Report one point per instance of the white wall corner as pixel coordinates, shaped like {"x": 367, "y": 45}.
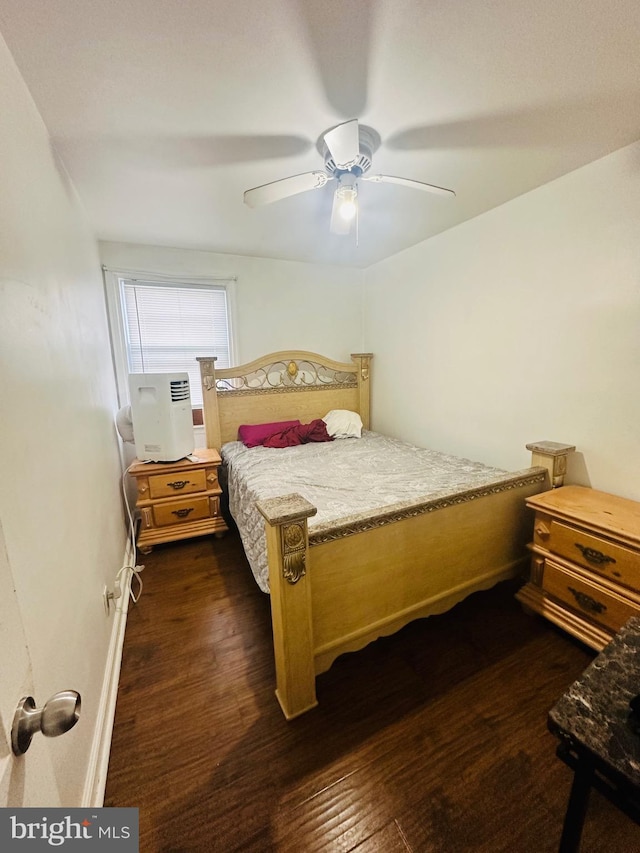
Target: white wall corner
{"x": 96, "y": 778}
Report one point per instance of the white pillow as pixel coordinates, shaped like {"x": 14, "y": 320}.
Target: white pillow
{"x": 341, "y": 423}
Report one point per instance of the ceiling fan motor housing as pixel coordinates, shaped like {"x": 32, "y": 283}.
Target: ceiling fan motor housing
{"x": 367, "y": 141}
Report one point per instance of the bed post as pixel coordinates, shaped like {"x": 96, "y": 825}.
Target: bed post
{"x": 287, "y": 550}
{"x": 553, "y": 456}
{"x": 210, "y": 401}
{"x": 363, "y": 359}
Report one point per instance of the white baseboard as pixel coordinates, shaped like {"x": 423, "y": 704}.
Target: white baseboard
{"x": 96, "y": 778}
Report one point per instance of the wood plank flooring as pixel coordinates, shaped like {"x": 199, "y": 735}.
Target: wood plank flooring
{"x": 434, "y": 739}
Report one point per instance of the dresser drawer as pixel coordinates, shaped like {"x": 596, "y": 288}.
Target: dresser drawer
{"x": 592, "y": 601}
{"x": 181, "y": 483}
{"x": 615, "y": 562}
{"x": 180, "y": 512}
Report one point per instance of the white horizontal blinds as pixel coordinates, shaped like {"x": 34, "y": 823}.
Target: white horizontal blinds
{"x": 169, "y": 325}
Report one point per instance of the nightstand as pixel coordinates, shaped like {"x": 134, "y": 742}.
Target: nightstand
{"x": 585, "y": 562}
{"x": 178, "y": 500}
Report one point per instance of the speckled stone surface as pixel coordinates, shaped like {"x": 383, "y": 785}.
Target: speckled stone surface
{"x": 595, "y": 709}
{"x": 285, "y": 508}
{"x": 551, "y": 448}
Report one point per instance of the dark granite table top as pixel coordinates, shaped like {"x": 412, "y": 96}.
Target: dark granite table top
{"x": 594, "y": 711}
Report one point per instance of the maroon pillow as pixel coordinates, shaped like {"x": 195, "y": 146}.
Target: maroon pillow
{"x": 254, "y": 434}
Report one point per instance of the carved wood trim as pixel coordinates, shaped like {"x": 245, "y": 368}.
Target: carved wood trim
{"x": 361, "y": 525}
{"x": 537, "y": 570}
{"x": 279, "y": 389}
{"x": 293, "y": 552}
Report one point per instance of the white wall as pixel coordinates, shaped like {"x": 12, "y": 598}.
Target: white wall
{"x": 60, "y": 505}
{"x": 278, "y": 304}
{"x": 521, "y": 325}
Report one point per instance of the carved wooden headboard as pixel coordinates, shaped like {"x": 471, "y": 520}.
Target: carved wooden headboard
{"x": 281, "y": 386}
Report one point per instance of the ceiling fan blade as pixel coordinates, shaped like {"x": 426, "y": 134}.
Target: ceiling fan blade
{"x": 341, "y": 55}
{"x": 338, "y": 225}
{"x": 343, "y": 143}
{"x": 407, "y": 182}
{"x": 276, "y": 190}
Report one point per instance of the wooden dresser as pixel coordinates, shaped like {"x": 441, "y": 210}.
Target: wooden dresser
{"x": 585, "y": 562}
{"x": 178, "y": 500}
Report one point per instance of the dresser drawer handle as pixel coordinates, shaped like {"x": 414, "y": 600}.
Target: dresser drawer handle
{"x": 593, "y": 556}
{"x": 179, "y": 484}
{"x": 182, "y": 513}
{"x": 586, "y": 602}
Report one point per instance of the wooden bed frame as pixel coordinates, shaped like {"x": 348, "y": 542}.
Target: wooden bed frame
{"x": 336, "y": 590}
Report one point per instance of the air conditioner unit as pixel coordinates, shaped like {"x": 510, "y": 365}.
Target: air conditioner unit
{"x": 161, "y": 415}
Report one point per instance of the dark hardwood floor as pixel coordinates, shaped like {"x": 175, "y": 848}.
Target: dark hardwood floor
{"x": 434, "y": 739}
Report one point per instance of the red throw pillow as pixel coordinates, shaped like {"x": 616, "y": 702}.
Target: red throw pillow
{"x": 252, "y": 435}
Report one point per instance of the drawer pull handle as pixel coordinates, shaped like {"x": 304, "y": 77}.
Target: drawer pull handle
{"x": 179, "y": 484}
{"x": 586, "y": 602}
{"x": 593, "y": 556}
{"x": 182, "y": 513}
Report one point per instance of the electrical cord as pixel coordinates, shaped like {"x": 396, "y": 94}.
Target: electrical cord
{"x": 134, "y": 569}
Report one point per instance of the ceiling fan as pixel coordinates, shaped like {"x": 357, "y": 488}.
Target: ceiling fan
{"x": 347, "y": 150}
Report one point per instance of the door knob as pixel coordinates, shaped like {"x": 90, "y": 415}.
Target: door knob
{"x": 56, "y": 717}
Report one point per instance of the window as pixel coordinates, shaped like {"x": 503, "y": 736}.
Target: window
{"x": 162, "y": 326}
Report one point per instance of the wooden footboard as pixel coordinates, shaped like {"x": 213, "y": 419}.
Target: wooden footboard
{"x": 336, "y": 592}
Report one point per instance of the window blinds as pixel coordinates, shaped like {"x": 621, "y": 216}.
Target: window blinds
{"x": 168, "y": 325}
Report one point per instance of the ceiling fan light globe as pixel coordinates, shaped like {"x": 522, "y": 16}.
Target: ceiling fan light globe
{"x": 348, "y": 210}
{"x": 347, "y": 197}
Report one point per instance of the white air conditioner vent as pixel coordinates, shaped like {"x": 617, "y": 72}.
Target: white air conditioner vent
{"x": 179, "y": 389}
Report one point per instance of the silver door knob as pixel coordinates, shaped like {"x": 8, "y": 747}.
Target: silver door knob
{"x": 56, "y": 717}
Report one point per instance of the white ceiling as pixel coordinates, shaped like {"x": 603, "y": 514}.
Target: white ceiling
{"x": 165, "y": 111}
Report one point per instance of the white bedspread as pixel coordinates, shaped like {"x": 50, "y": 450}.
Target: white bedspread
{"x": 343, "y": 478}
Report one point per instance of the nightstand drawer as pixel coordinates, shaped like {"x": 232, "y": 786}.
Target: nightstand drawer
{"x": 179, "y": 512}
{"x": 179, "y": 483}
{"x": 598, "y": 604}
{"x": 615, "y": 562}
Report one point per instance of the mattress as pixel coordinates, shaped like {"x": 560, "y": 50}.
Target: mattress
{"x": 345, "y": 479}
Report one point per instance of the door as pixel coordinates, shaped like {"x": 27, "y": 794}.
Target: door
{"x": 27, "y": 780}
